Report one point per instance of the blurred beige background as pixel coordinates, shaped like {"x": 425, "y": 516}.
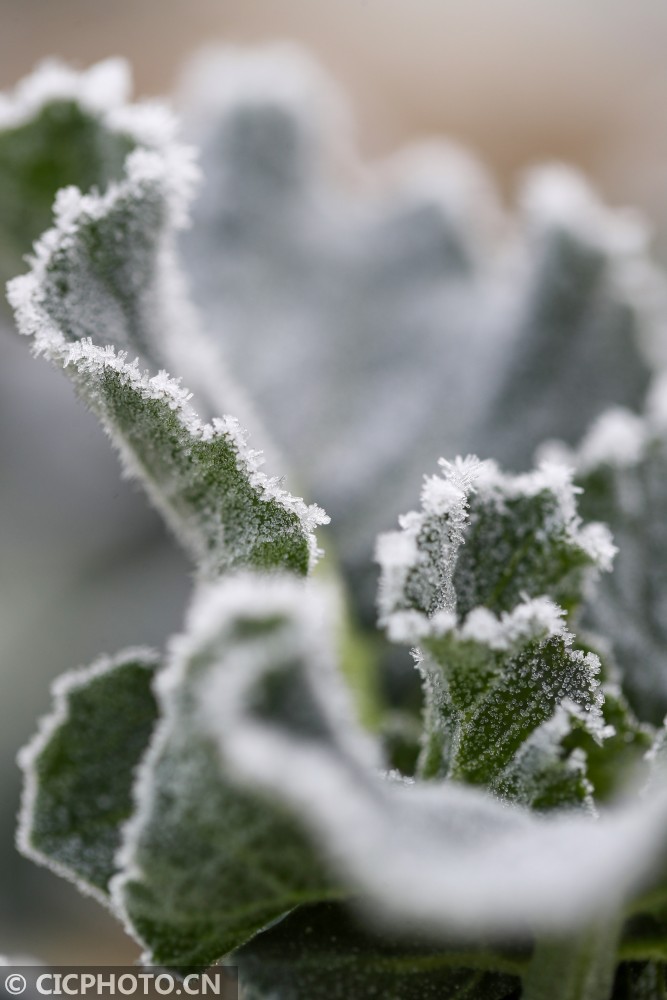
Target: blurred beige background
{"x": 518, "y": 81}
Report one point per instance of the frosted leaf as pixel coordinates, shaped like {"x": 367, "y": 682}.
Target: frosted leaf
{"x": 395, "y": 324}
{"x": 622, "y": 467}
{"x": 93, "y": 292}
{"x": 63, "y": 128}
{"x": 206, "y": 863}
{"x": 617, "y": 764}
{"x": 79, "y": 768}
{"x": 60, "y": 127}
{"x": 418, "y": 562}
{"x": 499, "y": 698}
{"x": 419, "y": 856}
{"x": 100, "y": 271}
{"x": 486, "y": 539}
{"x": 463, "y": 581}
{"x": 526, "y": 538}
{"x": 543, "y": 775}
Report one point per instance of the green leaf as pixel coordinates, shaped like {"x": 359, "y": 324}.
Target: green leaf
{"x": 525, "y": 538}
{"x": 79, "y": 769}
{"x": 487, "y": 539}
{"x": 501, "y": 694}
{"x": 207, "y": 863}
{"x": 60, "y": 127}
{"x": 464, "y": 580}
{"x": 94, "y": 276}
{"x": 314, "y": 947}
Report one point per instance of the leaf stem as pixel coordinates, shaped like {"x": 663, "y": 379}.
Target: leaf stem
{"x": 580, "y": 968}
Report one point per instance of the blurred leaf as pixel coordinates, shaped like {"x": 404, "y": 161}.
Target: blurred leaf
{"x": 79, "y": 769}
{"x": 409, "y": 328}
{"x": 207, "y": 863}
{"x": 324, "y": 951}
{"x": 622, "y": 468}
{"x": 586, "y": 318}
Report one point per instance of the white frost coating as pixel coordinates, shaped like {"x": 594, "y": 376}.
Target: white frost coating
{"x": 437, "y": 855}
{"x": 149, "y": 123}
{"x": 250, "y": 462}
{"x": 446, "y": 497}
{"x": 546, "y": 742}
{"x": 310, "y": 608}
{"x": 173, "y": 172}
{"x": 102, "y": 90}
{"x": 595, "y": 538}
{"x": 408, "y": 627}
{"x": 617, "y": 438}
{"x": 443, "y": 498}
{"x": 559, "y": 196}
{"x": 656, "y": 758}
{"x": 61, "y": 689}
{"x": 552, "y": 478}
{"x": 556, "y": 478}
{"x": 444, "y": 174}
{"x": 538, "y": 619}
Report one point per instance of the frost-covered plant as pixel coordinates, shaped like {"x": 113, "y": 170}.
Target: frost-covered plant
{"x": 266, "y": 791}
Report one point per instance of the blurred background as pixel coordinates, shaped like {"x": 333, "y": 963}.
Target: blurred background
{"x": 84, "y": 567}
